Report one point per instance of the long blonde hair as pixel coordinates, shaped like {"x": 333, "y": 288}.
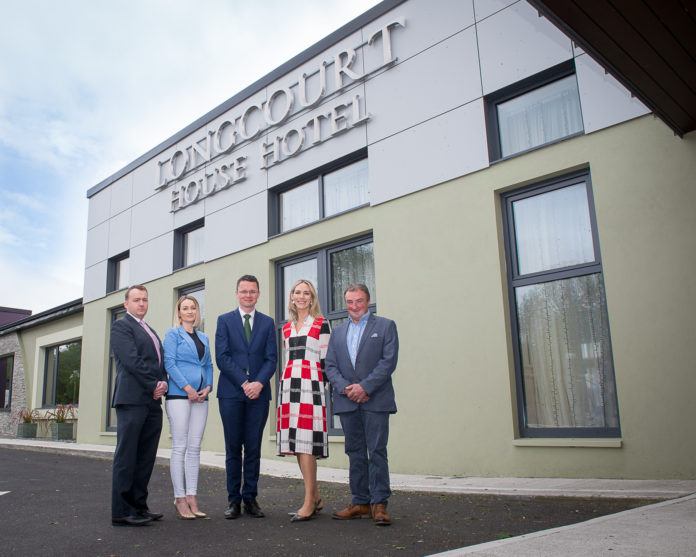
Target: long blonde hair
{"x": 314, "y": 309}
{"x": 177, "y": 309}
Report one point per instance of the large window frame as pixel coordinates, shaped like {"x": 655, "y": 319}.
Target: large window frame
{"x": 115, "y": 271}
{"x": 181, "y": 253}
{"x": 275, "y": 195}
{"x": 518, "y": 279}
{"x": 52, "y": 364}
{"x": 334, "y": 314}
{"x": 110, "y": 420}
{"x": 515, "y": 90}
{"x": 6, "y": 378}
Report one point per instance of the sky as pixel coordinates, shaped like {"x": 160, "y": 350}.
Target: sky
{"x": 87, "y": 86}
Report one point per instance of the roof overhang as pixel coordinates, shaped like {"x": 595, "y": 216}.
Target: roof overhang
{"x": 647, "y": 45}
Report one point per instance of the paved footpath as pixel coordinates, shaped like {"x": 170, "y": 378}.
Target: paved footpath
{"x": 667, "y": 528}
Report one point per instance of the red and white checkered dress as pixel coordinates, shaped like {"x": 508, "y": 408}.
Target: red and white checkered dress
{"x": 301, "y": 414}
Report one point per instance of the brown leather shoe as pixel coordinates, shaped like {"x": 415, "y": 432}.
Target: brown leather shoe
{"x": 379, "y": 512}
{"x": 353, "y": 511}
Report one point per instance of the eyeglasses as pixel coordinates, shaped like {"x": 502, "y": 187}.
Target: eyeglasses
{"x": 247, "y": 292}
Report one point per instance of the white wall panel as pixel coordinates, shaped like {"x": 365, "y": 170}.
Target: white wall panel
{"x": 604, "y": 100}
{"x": 486, "y": 8}
{"x": 427, "y": 22}
{"x": 152, "y": 259}
{"x": 254, "y": 183}
{"x": 145, "y": 178}
{"x": 516, "y": 43}
{"x": 151, "y": 218}
{"x": 237, "y": 227}
{"x": 438, "y": 150}
{"x": 435, "y": 81}
{"x": 99, "y": 207}
{"x": 121, "y": 194}
{"x": 119, "y": 233}
{"x": 97, "y": 244}
{"x": 95, "y": 282}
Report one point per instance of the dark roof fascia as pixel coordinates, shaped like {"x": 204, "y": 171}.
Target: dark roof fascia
{"x": 58, "y": 312}
{"x": 294, "y": 62}
{"x": 602, "y": 60}
{"x": 15, "y": 310}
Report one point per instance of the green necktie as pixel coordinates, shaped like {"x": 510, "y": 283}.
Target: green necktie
{"x": 247, "y": 327}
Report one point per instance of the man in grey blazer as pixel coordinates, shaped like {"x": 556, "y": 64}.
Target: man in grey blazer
{"x": 360, "y": 360}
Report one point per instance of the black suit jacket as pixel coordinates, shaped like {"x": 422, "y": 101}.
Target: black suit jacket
{"x": 137, "y": 367}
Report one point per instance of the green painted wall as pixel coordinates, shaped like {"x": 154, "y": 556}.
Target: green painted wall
{"x": 441, "y": 276}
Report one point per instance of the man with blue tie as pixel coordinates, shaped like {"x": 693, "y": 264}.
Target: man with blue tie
{"x": 246, "y": 353}
{"x": 140, "y": 383}
{"x": 360, "y": 360}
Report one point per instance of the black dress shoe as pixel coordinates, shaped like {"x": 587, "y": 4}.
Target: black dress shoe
{"x": 252, "y": 508}
{"x": 150, "y": 515}
{"x": 131, "y": 521}
{"x": 234, "y": 510}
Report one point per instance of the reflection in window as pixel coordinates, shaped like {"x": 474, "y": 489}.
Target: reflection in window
{"x": 299, "y": 206}
{"x": 62, "y": 374}
{"x": 541, "y": 116}
{"x": 566, "y": 354}
{"x": 553, "y": 230}
{"x": 345, "y": 188}
{"x": 354, "y": 264}
{"x": 320, "y": 195}
{"x": 6, "y": 367}
{"x": 193, "y": 246}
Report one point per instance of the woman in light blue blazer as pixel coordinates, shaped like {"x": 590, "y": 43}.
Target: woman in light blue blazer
{"x": 190, "y": 369}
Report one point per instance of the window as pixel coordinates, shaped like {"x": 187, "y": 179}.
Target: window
{"x": 189, "y": 244}
{"x": 331, "y": 270}
{"x": 563, "y": 357}
{"x": 6, "y": 367}
{"x": 62, "y": 374}
{"x": 536, "y": 111}
{"x": 197, "y": 291}
{"x": 328, "y": 191}
{"x": 116, "y": 314}
{"x": 118, "y": 271}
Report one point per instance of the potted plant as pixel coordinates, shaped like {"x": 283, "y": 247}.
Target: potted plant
{"x": 26, "y": 423}
{"x": 61, "y": 428}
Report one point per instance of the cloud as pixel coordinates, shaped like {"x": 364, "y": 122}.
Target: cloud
{"x": 87, "y": 87}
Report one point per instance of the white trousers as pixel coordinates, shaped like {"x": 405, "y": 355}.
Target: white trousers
{"x": 187, "y": 424}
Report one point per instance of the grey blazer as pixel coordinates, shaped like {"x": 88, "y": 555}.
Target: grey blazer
{"x": 374, "y": 365}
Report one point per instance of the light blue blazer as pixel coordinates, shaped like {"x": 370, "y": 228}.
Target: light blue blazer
{"x": 182, "y": 363}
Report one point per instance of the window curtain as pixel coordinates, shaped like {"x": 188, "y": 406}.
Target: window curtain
{"x": 356, "y": 264}
{"x": 299, "y": 206}
{"x": 566, "y": 356}
{"x": 540, "y": 116}
{"x": 346, "y": 188}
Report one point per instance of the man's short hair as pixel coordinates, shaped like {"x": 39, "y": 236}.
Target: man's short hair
{"x": 247, "y": 278}
{"x": 357, "y": 286}
{"x": 135, "y": 287}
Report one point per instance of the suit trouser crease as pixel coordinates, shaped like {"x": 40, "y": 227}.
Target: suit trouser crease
{"x": 187, "y": 424}
{"x": 138, "y": 432}
{"x": 366, "y": 435}
{"x": 243, "y": 423}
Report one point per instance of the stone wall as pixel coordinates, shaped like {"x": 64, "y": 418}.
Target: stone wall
{"x": 9, "y": 344}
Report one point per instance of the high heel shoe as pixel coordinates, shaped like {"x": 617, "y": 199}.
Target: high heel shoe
{"x": 199, "y": 514}
{"x": 185, "y": 516}
{"x": 318, "y": 506}
{"x": 297, "y": 517}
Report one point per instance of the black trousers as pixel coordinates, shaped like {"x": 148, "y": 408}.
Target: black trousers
{"x": 137, "y": 437}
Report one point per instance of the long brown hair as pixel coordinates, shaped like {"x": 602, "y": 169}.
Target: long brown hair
{"x": 314, "y": 309}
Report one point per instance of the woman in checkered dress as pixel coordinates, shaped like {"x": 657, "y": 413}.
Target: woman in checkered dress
{"x": 301, "y": 415}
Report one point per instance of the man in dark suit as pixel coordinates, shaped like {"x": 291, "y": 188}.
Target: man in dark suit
{"x": 360, "y": 360}
{"x": 140, "y": 384}
{"x": 246, "y": 353}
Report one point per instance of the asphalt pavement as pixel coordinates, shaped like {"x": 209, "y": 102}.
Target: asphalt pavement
{"x": 665, "y": 528}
